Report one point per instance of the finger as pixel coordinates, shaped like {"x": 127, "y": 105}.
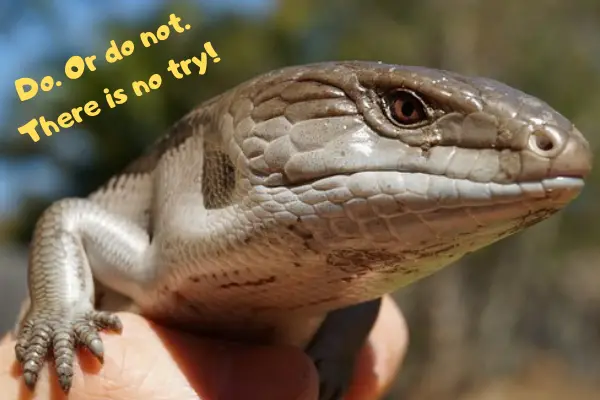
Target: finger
{"x": 151, "y": 362}
{"x": 380, "y": 360}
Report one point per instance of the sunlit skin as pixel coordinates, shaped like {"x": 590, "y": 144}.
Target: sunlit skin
{"x": 152, "y": 362}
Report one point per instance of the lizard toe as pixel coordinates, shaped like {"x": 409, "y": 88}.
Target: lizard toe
{"x": 63, "y": 347}
{"x": 87, "y": 330}
{"x": 21, "y": 345}
{"x": 106, "y": 320}
{"x": 88, "y": 336}
{"x": 33, "y": 343}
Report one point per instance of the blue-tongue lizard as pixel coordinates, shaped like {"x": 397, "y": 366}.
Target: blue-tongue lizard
{"x": 282, "y": 210}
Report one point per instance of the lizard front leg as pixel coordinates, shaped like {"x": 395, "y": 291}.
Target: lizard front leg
{"x": 75, "y": 241}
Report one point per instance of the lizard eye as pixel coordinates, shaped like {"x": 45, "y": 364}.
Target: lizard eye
{"x": 406, "y": 108}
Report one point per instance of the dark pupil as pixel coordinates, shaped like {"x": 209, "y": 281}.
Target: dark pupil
{"x": 408, "y": 108}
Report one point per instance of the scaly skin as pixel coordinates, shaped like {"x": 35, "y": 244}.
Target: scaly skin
{"x": 295, "y": 201}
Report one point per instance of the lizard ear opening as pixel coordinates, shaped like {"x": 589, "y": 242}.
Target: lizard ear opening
{"x": 218, "y": 177}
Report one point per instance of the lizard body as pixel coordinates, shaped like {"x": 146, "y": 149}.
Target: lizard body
{"x": 287, "y": 206}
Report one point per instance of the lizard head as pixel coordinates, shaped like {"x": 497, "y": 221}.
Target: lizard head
{"x": 384, "y": 167}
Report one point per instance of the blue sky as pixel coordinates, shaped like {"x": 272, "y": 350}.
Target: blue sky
{"x": 29, "y": 38}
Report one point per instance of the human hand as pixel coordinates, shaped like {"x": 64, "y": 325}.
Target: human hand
{"x": 148, "y": 361}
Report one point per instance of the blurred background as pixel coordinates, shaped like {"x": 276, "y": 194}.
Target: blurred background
{"x": 519, "y": 320}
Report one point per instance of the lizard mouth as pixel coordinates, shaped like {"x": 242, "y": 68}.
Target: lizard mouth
{"x": 400, "y": 209}
{"x": 563, "y": 182}
{"x": 418, "y": 192}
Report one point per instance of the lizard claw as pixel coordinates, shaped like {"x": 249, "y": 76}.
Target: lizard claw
{"x": 40, "y": 334}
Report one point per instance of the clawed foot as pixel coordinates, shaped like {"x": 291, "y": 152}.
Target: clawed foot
{"x": 62, "y": 333}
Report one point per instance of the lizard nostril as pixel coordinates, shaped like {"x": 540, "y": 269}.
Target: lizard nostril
{"x": 546, "y": 142}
